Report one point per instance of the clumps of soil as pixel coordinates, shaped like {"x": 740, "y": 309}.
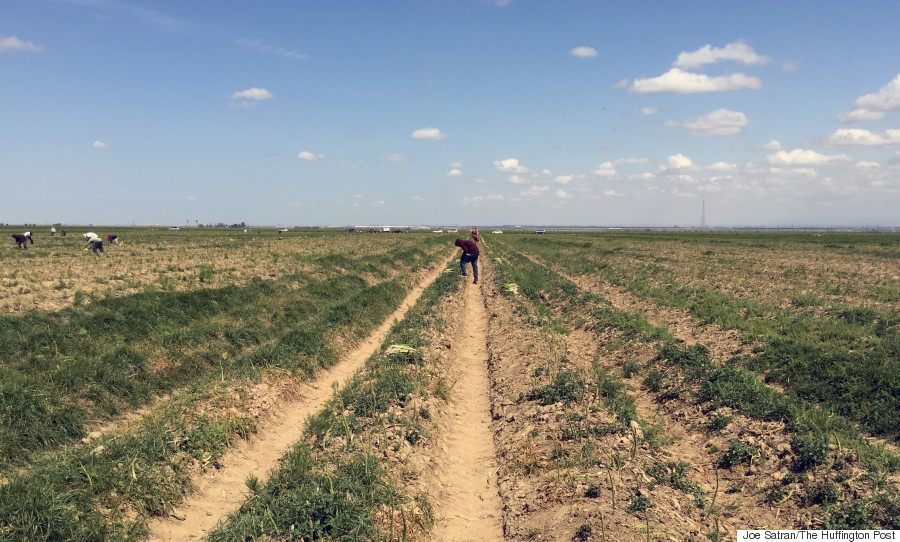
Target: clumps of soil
{"x": 591, "y": 447}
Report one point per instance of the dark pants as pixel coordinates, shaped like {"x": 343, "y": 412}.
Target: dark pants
{"x": 466, "y": 258}
{"x": 96, "y": 245}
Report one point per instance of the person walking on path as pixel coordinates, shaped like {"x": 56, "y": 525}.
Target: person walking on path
{"x": 469, "y": 255}
{"x": 474, "y": 233}
{"x": 94, "y": 243}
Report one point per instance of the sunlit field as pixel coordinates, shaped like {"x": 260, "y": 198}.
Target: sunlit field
{"x": 674, "y": 381}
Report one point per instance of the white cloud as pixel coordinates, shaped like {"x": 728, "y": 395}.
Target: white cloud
{"x": 516, "y": 179}
{"x": 773, "y": 145}
{"x": 562, "y": 194}
{"x": 456, "y": 165}
{"x": 564, "y": 179}
{"x": 99, "y": 144}
{"x": 721, "y": 122}
{"x": 864, "y": 138}
{"x": 191, "y": 198}
{"x": 454, "y": 173}
{"x": 739, "y": 52}
{"x": 510, "y": 165}
{"x": 13, "y": 43}
{"x": 535, "y": 191}
{"x": 606, "y": 169}
{"x": 583, "y": 52}
{"x": 678, "y": 161}
{"x": 258, "y": 45}
{"x": 397, "y": 158}
{"x": 429, "y": 133}
{"x": 866, "y": 165}
{"x": 722, "y": 166}
{"x": 252, "y": 94}
{"x": 874, "y": 106}
{"x": 800, "y": 157}
{"x": 310, "y": 156}
{"x": 612, "y": 193}
{"x": 649, "y": 110}
{"x": 678, "y": 81}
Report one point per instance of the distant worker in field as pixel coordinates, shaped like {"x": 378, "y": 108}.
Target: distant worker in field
{"x": 94, "y": 243}
{"x": 112, "y": 238}
{"x": 52, "y": 231}
{"x": 28, "y": 236}
{"x": 63, "y": 233}
{"x": 88, "y": 235}
{"x": 21, "y": 241}
{"x": 469, "y": 255}
{"x": 474, "y": 233}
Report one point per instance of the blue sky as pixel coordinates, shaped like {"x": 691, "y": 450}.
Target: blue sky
{"x": 450, "y": 112}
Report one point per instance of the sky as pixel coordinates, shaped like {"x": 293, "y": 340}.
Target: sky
{"x": 450, "y": 112}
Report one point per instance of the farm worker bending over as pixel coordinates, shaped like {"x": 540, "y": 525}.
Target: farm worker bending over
{"x": 470, "y": 254}
{"x": 95, "y": 244}
{"x": 27, "y": 235}
{"x": 52, "y": 231}
{"x": 89, "y": 234}
{"x": 21, "y": 241}
{"x": 112, "y": 238}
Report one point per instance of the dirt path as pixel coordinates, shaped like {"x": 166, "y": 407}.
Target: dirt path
{"x": 468, "y": 505}
{"x": 221, "y": 491}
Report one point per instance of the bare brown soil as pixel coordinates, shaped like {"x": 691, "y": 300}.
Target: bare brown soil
{"x": 774, "y": 276}
{"x": 553, "y": 488}
{"x": 467, "y": 505}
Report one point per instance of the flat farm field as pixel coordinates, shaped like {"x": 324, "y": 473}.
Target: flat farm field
{"x": 625, "y": 386}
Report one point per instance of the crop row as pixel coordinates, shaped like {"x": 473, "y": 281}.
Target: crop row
{"x": 676, "y": 372}
{"x": 195, "y": 354}
{"x": 56, "y": 273}
{"x": 843, "y": 356}
{"x": 344, "y": 479}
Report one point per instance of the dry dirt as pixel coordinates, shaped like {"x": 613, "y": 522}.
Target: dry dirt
{"x": 547, "y": 498}
{"x": 468, "y": 507}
